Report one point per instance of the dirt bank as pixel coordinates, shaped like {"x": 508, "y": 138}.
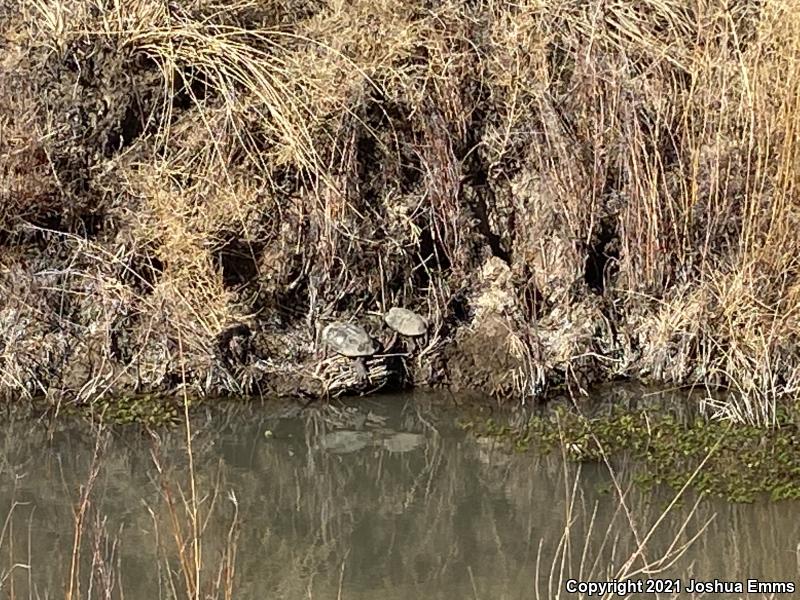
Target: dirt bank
{"x": 570, "y": 192}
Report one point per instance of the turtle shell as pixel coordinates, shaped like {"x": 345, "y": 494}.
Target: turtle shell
{"x": 349, "y": 339}
{"x": 406, "y": 322}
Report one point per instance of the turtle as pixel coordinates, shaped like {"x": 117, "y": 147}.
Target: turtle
{"x": 352, "y": 341}
{"x": 405, "y": 322}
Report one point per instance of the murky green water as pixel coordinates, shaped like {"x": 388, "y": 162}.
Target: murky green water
{"x": 389, "y": 500}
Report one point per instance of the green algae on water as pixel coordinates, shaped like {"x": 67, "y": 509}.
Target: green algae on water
{"x": 149, "y": 410}
{"x": 736, "y": 462}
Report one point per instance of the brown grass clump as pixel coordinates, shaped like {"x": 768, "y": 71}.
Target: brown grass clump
{"x": 184, "y": 171}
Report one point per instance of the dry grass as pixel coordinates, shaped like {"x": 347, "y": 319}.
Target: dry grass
{"x": 179, "y": 168}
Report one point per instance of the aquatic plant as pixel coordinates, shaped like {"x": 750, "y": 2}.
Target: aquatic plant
{"x": 737, "y": 462}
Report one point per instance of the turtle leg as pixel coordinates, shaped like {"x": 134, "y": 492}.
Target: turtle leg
{"x": 422, "y": 343}
{"x": 360, "y": 366}
{"x": 391, "y": 343}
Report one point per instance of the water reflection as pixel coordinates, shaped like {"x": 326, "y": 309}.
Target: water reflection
{"x": 388, "y": 500}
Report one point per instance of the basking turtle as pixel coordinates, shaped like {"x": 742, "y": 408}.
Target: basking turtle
{"x": 406, "y": 323}
{"x": 352, "y": 341}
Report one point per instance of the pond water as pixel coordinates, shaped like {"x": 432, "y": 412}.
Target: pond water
{"x": 381, "y": 498}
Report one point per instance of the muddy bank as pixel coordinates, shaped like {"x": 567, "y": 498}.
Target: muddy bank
{"x": 188, "y": 194}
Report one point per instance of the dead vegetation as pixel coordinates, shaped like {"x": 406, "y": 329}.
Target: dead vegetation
{"x": 590, "y": 189}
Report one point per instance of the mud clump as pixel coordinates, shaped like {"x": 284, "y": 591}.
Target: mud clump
{"x": 482, "y": 354}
